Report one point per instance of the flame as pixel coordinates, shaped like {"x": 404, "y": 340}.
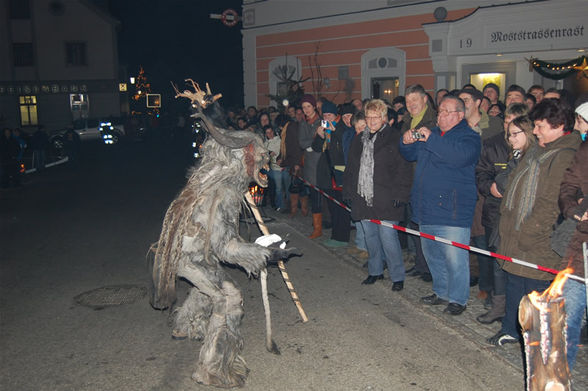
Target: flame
{"x": 554, "y": 290}
{"x": 256, "y": 193}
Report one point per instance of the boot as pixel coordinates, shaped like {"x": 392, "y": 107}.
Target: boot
{"x": 317, "y": 225}
{"x": 304, "y": 205}
{"x": 497, "y": 311}
{"x": 294, "y": 197}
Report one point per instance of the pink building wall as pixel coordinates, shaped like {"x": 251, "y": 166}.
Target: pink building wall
{"x": 344, "y": 45}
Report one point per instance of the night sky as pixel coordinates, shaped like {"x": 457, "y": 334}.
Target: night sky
{"x": 176, "y": 39}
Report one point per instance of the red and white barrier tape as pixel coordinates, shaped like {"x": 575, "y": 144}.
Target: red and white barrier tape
{"x": 446, "y": 241}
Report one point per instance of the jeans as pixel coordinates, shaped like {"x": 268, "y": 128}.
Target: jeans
{"x": 516, "y": 288}
{"x": 281, "y": 180}
{"x": 359, "y": 236}
{"x": 574, "y": 293}
{"x": 449, "y": 265}
{"x": 485, "y": 264}
{"x": 383, "y": 246}
{"x": 420, "y": 263}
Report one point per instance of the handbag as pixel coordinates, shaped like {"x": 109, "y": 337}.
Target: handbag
{"x": 296, "y": 185}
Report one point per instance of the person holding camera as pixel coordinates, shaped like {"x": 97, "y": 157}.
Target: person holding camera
{"x": 443, "y": 198}
{"x": 331, "y": 165}
{"x": 419, "y": 114}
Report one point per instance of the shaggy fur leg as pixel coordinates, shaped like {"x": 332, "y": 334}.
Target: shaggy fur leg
{"x": 220, "y": 363}
{"x": 191, "y": 319}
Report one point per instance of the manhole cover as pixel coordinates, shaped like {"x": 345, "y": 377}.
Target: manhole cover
{"x": 111, "y": 295}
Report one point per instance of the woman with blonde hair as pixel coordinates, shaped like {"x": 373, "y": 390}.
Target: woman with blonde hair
{"x": 377, "y": 181}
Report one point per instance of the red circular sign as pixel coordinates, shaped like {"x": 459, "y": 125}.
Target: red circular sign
{"x": 230, "y": 17}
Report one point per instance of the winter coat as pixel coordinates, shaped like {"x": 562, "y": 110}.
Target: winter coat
{"x": 335, "y": 153}
{"x": 429, "y": 120}
{"x": 273, "y": 146}
{"x": 9, "y": 150}
{"x": 573, "y": 187}
{"x": 392, "y": 178}
{"x": 348, "y": 136}
{"x": 306, "y": 135}
{"x": 293, "y": 151}
{"x": 444, "y": 186}
{"x": 530, "y": 242}
{"x": 493, "y": 160}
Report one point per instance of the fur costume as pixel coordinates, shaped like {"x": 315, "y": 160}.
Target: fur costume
{"x": 199, "y": 233}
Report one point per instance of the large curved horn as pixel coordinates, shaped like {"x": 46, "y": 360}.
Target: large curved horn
{"x": 224, "y": 137}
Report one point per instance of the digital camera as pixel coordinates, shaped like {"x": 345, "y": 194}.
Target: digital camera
{"x": 325, "y": 124}
{"x": 416, "y": 135}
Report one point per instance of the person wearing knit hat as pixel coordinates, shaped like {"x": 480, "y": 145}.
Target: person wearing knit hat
{"x": 330, "y": 168}
{"x": 309, "y": 99}
{"x": 492, "y": 92}
{"x": 329, "y": 107}
{"x": 582, "y": 120}
{"x": 307, "y": 131}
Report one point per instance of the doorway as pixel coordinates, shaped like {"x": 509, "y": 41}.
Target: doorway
{"x": 385, "y": 88}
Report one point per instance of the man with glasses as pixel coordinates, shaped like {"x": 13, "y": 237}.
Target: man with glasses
{"x": 443, "y": 198}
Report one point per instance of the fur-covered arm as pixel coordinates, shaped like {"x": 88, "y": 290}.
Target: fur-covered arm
{"x": 250, "y": 256}
{"x": 227, "y": 246}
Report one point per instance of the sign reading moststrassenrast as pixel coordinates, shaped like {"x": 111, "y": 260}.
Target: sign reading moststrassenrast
{"x": 536, "y": 34}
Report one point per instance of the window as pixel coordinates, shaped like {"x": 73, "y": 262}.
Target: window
{"x": 19, "y": 9}
{"x": 28, "y": 110}
{"x": 23, "y": 54}
{"x": 75, "y": 53}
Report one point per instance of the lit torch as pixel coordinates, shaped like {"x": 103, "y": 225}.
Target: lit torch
{"x": 543, "y": 321}
{"x": 257, "y": 194}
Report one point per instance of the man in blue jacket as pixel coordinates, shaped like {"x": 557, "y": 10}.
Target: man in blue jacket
{"x": 443, "y": 198}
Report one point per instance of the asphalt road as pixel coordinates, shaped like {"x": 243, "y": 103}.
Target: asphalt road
{"x": 74, "y": 229}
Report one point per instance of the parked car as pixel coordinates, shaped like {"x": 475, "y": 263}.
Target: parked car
{"x": 89, "y": 129}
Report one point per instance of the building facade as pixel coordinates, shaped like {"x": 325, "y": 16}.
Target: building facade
{"x": 375, "y": 48}
{"x": 59, "y": 63}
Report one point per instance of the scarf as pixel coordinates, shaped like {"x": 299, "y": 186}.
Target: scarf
{"x": 524, "y": 184}
{"x": 312, "y": 119}
{"x": 328, "y": 132}
{"x": 365, "y": 180}
{"x": 418, "y": 118}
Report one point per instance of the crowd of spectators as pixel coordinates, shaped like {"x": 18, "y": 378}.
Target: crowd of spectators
{"x": 464, "y": 166}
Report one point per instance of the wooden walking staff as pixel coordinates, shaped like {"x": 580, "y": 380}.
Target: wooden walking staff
{"x": 281, "y": 264}
{"x": 543, "y": 321}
